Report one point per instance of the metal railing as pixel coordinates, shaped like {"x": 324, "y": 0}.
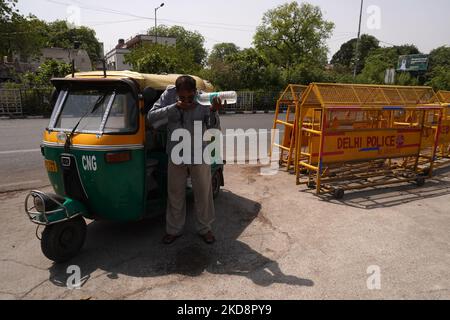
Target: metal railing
{"x": 25, "y": 101}
{"x": 253, "y": 101}
{"x": 10, "y": 102}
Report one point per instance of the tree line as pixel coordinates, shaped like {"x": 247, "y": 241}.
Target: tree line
{"x": 23, "y": 37}
{"x": 289, "y": 46}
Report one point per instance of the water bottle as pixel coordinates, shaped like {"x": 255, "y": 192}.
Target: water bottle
{"x": 206, "y": 99}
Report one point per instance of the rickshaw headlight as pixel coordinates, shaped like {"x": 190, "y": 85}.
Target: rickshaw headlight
{"x": 39, "y": 204}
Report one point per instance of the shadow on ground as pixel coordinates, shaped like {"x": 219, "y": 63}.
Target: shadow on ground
{"x": 135, "y": 249}
{"x": 390, "y": 196}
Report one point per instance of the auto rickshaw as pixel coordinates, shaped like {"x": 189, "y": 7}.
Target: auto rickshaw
{"x": 103, "y": 162}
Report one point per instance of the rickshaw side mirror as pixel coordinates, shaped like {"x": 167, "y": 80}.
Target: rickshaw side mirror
{"x": 150, "y": 96}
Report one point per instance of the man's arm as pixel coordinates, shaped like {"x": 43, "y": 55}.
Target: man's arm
{"x": 159, "y": 115}
{"x": 214, "y": 120}
{"x": 213, "y": 115}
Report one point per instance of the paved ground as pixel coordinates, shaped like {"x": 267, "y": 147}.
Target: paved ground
{"x": 275, "y": 241}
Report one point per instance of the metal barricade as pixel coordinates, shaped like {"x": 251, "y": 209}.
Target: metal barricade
{"x": 289, "y": 101}
{"x": 443, "y": 153}
{"x": 10, "y": 102}
{"x": 357, "y": 136}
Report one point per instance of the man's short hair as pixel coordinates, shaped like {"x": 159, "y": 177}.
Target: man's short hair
{"x": 186, "y": 83}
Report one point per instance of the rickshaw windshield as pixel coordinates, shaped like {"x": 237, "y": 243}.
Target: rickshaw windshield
{"x": 102, "y": 110}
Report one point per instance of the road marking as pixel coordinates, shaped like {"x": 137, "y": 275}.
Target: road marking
{"x": 19, "y": 151}
{"x": 19, "y": 183}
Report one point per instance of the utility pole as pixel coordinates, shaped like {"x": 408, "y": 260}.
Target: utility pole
{"x": 358, "y": 40}
{"x": 156, "y": 23}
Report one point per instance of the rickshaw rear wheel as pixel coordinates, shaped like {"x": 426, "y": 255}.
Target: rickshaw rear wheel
{"x": 62, "y": 241}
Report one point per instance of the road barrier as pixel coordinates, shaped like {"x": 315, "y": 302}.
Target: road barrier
{"x": 289, "y": 102}
{"x": 443, "y": 153}
{"x": 25, "y": 101}
{"x": 357, "y": 136}
{"x": 10, "y": 102}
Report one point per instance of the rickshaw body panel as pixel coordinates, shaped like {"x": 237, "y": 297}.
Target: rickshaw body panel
{"x": 114, "y": 191}
{"x": 109, "y": 167}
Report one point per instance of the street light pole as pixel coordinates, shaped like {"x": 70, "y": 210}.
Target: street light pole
{"x": 156, "y": 23}
{"x": 357, "y": 41}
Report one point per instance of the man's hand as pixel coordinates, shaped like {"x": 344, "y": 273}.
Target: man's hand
{"x": 185, "y": 106}
{"x": 216, "y": 104}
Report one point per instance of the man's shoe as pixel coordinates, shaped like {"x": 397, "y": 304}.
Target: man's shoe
{"x": 209, "y": 238}
{"x": 169, "y": 239}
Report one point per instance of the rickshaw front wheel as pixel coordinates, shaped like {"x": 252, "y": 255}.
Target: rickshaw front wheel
{"x": 62, "y": 241}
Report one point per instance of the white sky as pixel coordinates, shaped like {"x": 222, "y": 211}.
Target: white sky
{"x": 425, "y": 23}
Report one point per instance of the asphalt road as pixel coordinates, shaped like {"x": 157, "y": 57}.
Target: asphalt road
{"x": 276, "y": 240}
{"x": 21, "y": 164}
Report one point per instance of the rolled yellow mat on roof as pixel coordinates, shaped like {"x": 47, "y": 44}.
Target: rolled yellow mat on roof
{"x": 155, "y": 81}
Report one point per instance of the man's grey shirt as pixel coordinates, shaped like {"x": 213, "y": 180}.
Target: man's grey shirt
{"x": 165, "y": 112}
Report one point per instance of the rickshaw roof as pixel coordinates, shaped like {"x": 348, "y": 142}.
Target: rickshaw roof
{"x": 155, "y": 81}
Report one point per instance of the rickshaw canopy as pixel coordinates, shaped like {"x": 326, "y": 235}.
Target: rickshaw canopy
{"x": 155, "y": 81}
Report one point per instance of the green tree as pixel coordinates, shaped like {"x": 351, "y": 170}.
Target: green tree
{"x": 219, "y": 70}
{"x": 381, "y": 59}
{"x": 439, "y": 68}
{"x": 220, "y": 74}
{"x": 406, "y": 79}
{"x": 234, "y": 69}
{"x": 186, "y": 40}
{"x": 376, "y": 64}
{"x": 161, "y": 59}
{"x": 439, "y": 57}
{"x": 48, "y": 70}
{"x": 440, "y": 78}
{"x": 293, "y": 34}
{"x": 252, "y": 71}
{"x": 62, "y": 36}
{"x": 221, "y": 51}
{"x": 345, "y": 57}
{"x": 7, "y": 9}
{"x": 305, "y": 73}
{"x": 26, "y": 36}
{"x": 406, "y": 49}
{"x": 19, "y": 35}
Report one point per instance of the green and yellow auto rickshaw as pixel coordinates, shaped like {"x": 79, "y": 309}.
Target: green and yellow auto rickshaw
{"x": 103, "y": 162}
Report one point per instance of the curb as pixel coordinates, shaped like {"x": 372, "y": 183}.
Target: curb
{"x": 21, "y": 117}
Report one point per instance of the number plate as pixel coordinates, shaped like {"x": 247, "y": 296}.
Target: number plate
{"x": 51, "y": 166}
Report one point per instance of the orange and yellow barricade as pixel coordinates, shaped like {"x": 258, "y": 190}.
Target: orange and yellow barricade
{"x": 443, "y": 154}
{"x": 289, "y": 102}
{"x": 357, "y": 136}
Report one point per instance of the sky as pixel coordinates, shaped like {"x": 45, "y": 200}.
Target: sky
{"x": 425, "y": 23}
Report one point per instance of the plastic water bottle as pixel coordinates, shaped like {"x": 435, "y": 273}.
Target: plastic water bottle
{"x": 206, "y": 99}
